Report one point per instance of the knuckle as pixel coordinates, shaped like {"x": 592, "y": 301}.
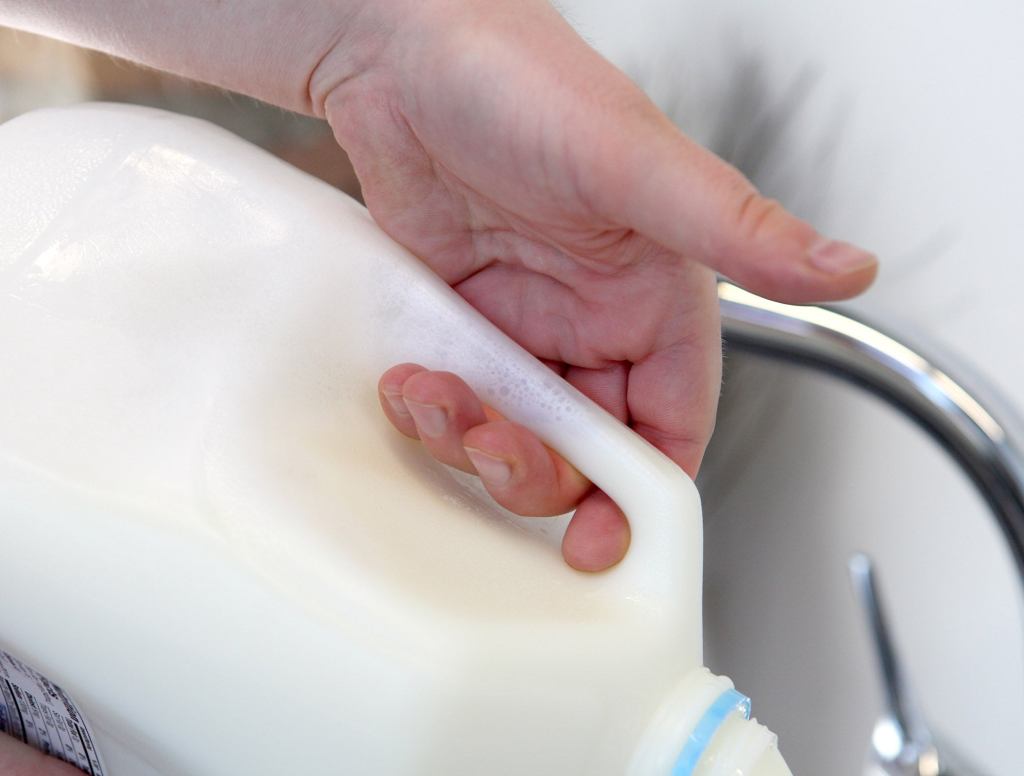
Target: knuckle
{"x": 754, "y": 214}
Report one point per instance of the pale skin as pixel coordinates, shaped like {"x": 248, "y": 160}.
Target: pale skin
{"x": 538, "y": 181}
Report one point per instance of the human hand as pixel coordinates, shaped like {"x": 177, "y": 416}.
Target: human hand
{"x": 18, "y": 759}
{"x": 538, "y": 181}
{"x": 550, "y": 193}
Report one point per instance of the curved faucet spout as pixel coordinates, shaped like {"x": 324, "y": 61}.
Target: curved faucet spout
{"x": 977, "y": 428}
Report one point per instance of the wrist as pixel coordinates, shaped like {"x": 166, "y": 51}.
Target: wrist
{"x": 403, "y": 52}
{"x": 359, "y": 36}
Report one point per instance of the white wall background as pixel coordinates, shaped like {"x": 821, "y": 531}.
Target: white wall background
{"x": 897, "y": 125}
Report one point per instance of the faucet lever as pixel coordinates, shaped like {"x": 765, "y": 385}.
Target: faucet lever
{"x": 901, "y": 742}
{"x": 901, "y": 704}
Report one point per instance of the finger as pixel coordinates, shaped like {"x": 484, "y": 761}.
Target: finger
{"x": 682, "y": 196}
{"x": 606, "y": 387}
{"x": 673, "y": 393}
{"x": 521, "y": 473}
{"x": 22, "y": 760}
{"x": 597, "y": 536}
{"x": 389, "y": 393}
{"x": 671, "y": 398}
{"x": 443, "y": 408}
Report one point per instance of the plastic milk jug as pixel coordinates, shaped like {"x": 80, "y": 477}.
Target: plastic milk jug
{"x": 216, "y": 555}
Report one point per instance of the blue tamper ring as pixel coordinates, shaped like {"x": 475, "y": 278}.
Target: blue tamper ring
{"x": 726, "y": 703}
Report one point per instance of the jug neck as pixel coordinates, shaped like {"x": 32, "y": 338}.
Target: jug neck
{"x": 703, "y": 729}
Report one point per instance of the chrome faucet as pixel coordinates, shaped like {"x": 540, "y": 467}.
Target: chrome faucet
{"x": 902, "y": 744}
{"x": 976, "y": 428}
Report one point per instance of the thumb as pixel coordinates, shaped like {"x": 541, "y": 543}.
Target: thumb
{"x": 684, "y": 197}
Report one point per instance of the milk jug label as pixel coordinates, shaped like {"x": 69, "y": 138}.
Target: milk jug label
{"x": 38, "y": 712}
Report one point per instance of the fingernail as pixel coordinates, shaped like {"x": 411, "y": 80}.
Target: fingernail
{"x": 492, "y": 470}
{"x": 431, "y": 420}
{"x": 397, "y": 403}
{"x": 839, "y": 258}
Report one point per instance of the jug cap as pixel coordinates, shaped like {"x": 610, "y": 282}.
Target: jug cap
{"x": 729, "y": 703}
{"x": 704, "y": 729}
{"x": 740, "y": 747}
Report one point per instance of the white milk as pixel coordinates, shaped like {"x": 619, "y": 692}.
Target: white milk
{"x": 213, "y": 540}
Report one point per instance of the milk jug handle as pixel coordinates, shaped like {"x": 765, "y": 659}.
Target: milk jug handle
{"x": 658, "y": 498}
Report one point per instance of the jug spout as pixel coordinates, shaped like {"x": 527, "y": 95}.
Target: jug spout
{"x": 742, "y": 747}
{"x": 704, "y": 729}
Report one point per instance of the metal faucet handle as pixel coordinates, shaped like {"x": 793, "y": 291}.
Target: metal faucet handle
{"x": 901, "y": 742}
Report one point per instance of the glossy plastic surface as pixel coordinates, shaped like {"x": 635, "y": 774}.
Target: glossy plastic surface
{"x": 220, "y": 547}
